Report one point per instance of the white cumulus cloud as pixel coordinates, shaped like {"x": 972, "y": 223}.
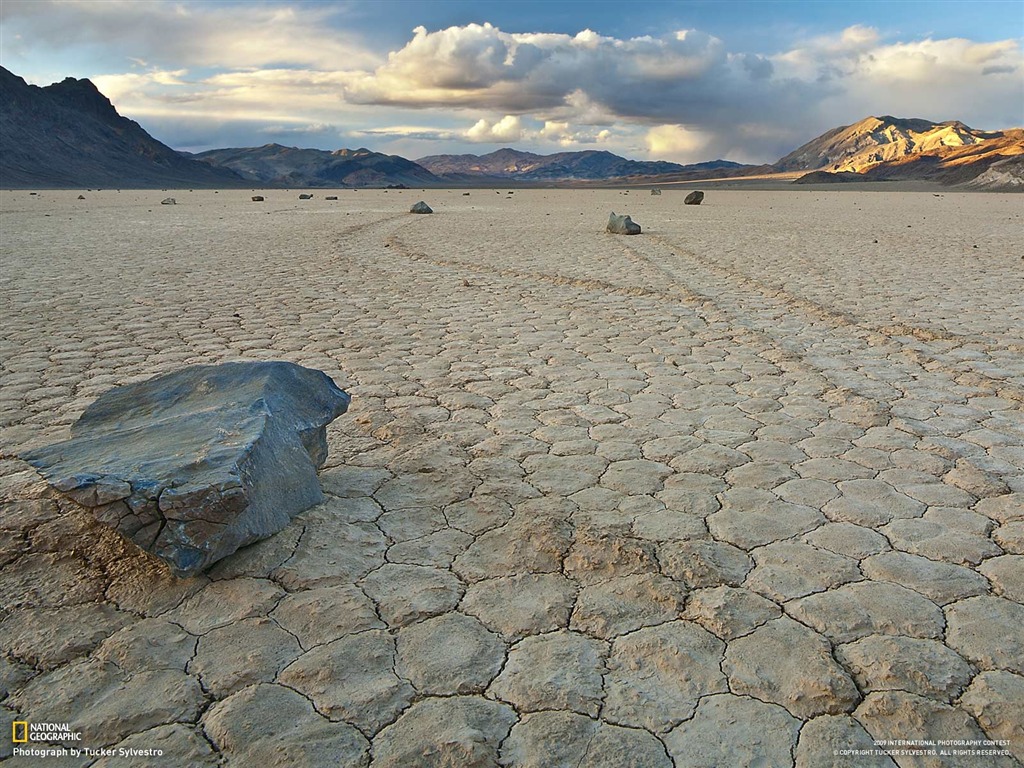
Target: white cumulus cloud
{"x": 508, "y": 129}
{"x": 673, "y": 142}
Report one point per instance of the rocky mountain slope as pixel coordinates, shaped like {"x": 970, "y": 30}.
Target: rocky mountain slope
{"x": 952, "y": 164}
{"x": 875, "y": 140}
{"x": 69, "y": 135}
{"x": 514, "y": 165}
{"x": 1006, "y": 175}
{"x": 276, "y": 165}
{"x": 897, "y": 149}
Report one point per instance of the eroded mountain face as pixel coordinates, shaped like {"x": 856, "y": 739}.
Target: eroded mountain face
{"x": 876, "y": 140}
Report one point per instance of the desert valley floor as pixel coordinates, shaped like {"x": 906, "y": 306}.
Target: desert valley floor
{"x": 747, "y": 488}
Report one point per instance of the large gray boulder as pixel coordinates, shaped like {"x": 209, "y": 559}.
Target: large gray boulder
{"x": 194, "y": 464}
{"x": 622, "y": 225}
{"x": 694, "y": 198}
{"x": 421, "y": 207}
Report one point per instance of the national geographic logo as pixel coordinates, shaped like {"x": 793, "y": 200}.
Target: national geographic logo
{"x": 22, "y": 732}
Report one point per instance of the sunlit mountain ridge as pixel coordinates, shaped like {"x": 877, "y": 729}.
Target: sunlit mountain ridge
{"x": 873, "y": 140}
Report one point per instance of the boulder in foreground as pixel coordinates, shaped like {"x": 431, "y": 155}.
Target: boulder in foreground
{"x": 694, "y": 198}
{"x": 622, "y": 225}
{"x": 421, "y": 207}
{"x": 195, "y": 464}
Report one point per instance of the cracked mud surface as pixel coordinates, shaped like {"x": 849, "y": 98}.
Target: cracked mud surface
{"x": 747, "y": 487}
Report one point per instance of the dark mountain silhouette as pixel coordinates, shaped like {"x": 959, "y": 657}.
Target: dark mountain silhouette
{"x": 276, "y": 165}
{"x": 69, "y": 135}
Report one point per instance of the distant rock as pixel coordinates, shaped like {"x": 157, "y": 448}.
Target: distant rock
{"x": 81, "y": 197}
{"x": 421, "y": 207}
{"x": 655, "y": 191}
{"x": 305, "y": 197}
{"x": 622, "y": 225}
{"x": 168, "y": 201}
{"x": 331, "y": 197}
{"x": 694, "y": 198}
{"x": 258, "y": 198}
{"x": 195, "y": 464}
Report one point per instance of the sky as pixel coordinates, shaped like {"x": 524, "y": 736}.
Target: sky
{"x": 744, "y": 80}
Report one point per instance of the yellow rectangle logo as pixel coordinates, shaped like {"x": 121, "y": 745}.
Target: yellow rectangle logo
{"x": 22, "y": 727}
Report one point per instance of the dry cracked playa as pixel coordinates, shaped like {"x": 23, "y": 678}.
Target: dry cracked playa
{"x": 745, "y": 489}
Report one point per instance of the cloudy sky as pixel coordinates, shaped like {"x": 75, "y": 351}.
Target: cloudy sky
{"x": 683, "y": 81}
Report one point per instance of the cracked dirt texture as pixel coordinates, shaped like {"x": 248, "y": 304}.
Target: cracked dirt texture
{"x": 748, "y": 488}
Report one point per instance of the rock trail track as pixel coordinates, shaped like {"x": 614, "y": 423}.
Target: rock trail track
{"x": 745, "y": 489}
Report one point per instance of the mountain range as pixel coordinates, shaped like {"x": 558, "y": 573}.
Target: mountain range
{"x": 279, "y": 166}
{"x": 564, "y": 166}
{"x": 69, "y": 135}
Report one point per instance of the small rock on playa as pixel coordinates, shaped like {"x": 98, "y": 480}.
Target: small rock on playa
{"x": 622, "y": 225}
